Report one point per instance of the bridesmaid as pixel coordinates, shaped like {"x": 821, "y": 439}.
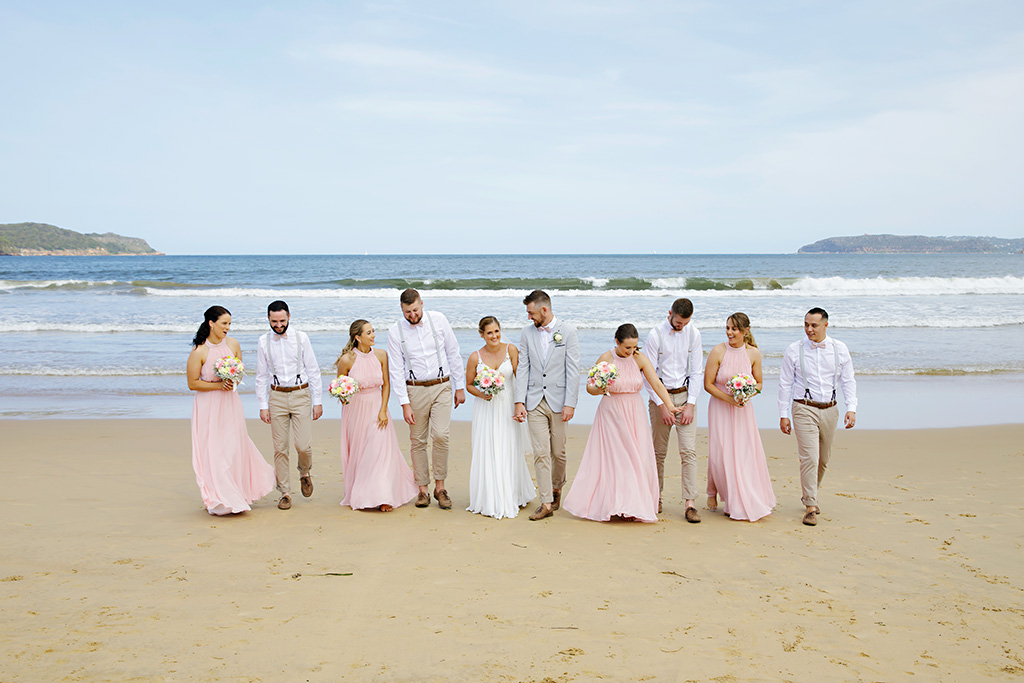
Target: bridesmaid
{"x": 618, "y": 476}
{"x": 374, "y": 472}
{"x": 229, "y": 469}
{"x": 737, "y": 469}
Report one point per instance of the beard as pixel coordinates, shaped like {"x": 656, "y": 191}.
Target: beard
{"x": 282, "y": 331}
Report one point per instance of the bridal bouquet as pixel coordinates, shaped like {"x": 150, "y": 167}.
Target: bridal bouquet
{"x": 343, "y": 388}
{"x": 489, "y": 381}
{"x": 743, "y": 387}
{"x": 602, "y": 375}
{"x": 230, "y": 369}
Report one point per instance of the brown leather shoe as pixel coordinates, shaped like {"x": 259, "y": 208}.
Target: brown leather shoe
{"x": 557, "y": 502}
{"x": 811, "y": 518}
{"x": 659, "y": 506}
{"x": 285, "y": 503}
{"x": 692, "y": 516}
{"x": 423, "y": 499}
{"x": 306, "y": 483}
{"x": 541, "y": 513}
{"x": 443, "y": 501}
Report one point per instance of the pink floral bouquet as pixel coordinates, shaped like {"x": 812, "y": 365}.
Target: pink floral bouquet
{"x": 743, "y": 387}
{"x": 602, "y": 375}
{"x": 343, "y": 388}
{"x": 489, "y": 381}
{"x": 230, "y": 369}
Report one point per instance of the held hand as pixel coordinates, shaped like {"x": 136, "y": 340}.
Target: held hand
{"x": 737, "y": 401}
{"x": 519, "y": 415}
{"x": 265, "y": 415}
{"x": 227, "y": 385}
{"x": 851, "y": 419}
{"x": 318, "y": 411}
{"x": 567, "y": 413}
{"x": 460, "y": 397}
{"x": 676, "y": 410}
{"x": 784, "y": 426}
{"x": 687, "y": 415}
{"x": 407, "y": 415}
{"x": 382, "y": 419}
{"x": 667, "y": 416}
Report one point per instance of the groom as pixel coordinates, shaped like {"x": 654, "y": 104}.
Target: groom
{"x": 549, "y": 378}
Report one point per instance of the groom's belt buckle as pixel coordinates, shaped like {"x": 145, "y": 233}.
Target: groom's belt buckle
{"x": 677, "y": 391}
{"x": 814, "y": 404}
{"x": 277, "y": 387}
{"x": 426, "y": 382}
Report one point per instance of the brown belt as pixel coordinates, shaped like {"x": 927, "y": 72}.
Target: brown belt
{"x": 276, "y": 387}
{"x": 814, "y": 404}
{"x": 426, "y": 382}
{"x": 677, "y": 391}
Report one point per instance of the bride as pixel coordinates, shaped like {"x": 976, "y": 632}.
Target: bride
{"x": 499, "y": 480}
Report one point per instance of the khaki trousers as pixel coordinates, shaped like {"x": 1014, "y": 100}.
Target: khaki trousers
{"x": 291, "y": 415}
{"x": 686, "y": 438}
{"x": 432, "y": 408}
{"x": 815, "y": 428}
{"x": 547, "y": 438}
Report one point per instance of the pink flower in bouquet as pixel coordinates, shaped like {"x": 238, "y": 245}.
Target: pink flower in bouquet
{"x": 343, "y": 388}
{"x": 489, "y": 381}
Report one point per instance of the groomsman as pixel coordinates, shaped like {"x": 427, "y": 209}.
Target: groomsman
{"x": 674, "y": 346}
{"x": 288, "y": 389}
{"x": 426, "y": 366}
{"x": 546, "y": 394}
{"x": 813, "y": 369}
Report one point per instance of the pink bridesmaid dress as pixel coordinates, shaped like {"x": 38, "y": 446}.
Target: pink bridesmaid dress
{"x": 230, "y": 471}
{"x": 372, "y": 466}
{"x": 737, "y": 469}
{"x": 618, "y": 474}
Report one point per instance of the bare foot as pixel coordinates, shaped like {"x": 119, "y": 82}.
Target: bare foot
{"x": 713, "y": 503}
{"x": 385, "y": 508}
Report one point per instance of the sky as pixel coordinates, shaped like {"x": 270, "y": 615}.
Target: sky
{"x": 533, "y": 126}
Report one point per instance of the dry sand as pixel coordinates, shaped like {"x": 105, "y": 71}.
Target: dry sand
{"x": 113, "y": 571}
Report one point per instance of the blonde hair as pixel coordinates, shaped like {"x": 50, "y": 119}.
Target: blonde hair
{"x": 354, "y": 330}
{"x": 742, "y": 322}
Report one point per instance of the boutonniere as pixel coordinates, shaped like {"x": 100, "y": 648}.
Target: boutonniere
{"x": 557, "y": 337}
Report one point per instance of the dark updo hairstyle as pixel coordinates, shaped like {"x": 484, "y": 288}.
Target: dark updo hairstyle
{"x": 487, "y": 320}
{"x": 213, "y": 314}
{"x": 627, "y": 331}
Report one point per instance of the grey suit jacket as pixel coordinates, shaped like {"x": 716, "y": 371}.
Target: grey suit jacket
{"x": 558, "y": 378}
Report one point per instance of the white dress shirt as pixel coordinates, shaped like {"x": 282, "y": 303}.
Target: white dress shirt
{"x": 422, "y": 349}
{"x": 819, "y": 361}
{"x": 547, "y": 337}
{"x": 278, "y": 354}
{"x": 675, "y": 348}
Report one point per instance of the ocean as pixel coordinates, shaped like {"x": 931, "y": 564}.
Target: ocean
{"x": 935, "y": 338}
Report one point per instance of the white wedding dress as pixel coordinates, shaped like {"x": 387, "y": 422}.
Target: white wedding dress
{"x": 499, "y": 479}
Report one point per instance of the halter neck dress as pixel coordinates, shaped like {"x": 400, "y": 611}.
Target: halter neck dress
{"x": 373, "y": 469}
{"x": 230, "y": 471}
{"x": 737, "y": 469}
{"x": 618, "y": 475}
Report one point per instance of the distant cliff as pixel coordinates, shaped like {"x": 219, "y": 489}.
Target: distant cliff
{"x": 40, "y": 239}
{"x": 913, "y": 244}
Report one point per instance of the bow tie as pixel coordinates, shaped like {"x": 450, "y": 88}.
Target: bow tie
{"x": 544, "y": 329}
{"x": 817, "y": 345}
{"x": 282, "y": 336}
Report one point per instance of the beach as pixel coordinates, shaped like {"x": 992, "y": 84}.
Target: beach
{"x": 113, "y": 571}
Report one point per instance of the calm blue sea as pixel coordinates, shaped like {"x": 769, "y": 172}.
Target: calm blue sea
{"x": 933, "y": 336}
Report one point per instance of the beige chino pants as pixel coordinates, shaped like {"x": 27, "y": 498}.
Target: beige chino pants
{"x": 547, "y": 439}
{"x": 686, "y": 438}
{"x": 291, "y": 415}
{"x": 815, "y": 429}
{"x": 432, "y": 409}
